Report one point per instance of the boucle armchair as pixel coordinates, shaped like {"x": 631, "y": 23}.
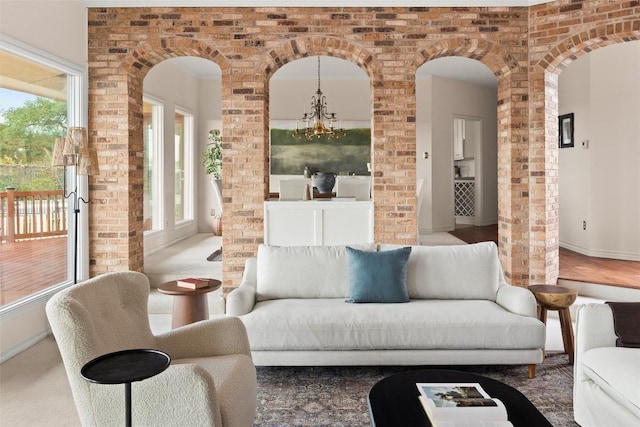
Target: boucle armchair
{"x": 211, "y": 380}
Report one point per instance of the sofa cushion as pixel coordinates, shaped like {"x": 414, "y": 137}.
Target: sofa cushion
{"x": 616, "y": 370}
{"x": 330, "y": 324}
{"x": 303, "y": 271}
{"x": 453, "y": 272}
{"x": 378, "y": 276}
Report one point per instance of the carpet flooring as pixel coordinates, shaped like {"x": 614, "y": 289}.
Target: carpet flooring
{"x": 34, "y": 391}
{"x": 337, "y": 396}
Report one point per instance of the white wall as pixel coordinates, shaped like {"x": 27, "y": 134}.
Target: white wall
{"x": 61, "y": 32}
{"x": 56, "y": 27}
{"x": 601, "y": 184}
{"x": 438, "y": 101}
{"x": 349, "y": 99}
{"x": 210, "y": 117}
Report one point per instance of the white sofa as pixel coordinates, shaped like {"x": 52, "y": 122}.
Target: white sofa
{"x": 461, "y": 310}
{"x": 606, "y": 388}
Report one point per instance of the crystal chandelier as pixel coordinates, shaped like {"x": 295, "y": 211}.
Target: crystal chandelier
{"x": 314, "y": 121}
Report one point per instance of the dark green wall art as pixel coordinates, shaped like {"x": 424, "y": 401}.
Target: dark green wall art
{"x": 349, "y": 153}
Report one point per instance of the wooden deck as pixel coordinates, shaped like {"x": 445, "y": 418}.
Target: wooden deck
{"x": 29, "y": 266}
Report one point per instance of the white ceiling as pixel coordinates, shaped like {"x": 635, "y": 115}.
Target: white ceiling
{"x": 309, "y": 3}
{"x": 454, "y": 68}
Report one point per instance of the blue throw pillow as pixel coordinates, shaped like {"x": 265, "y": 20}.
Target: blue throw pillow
{"x": 379, "y": 277}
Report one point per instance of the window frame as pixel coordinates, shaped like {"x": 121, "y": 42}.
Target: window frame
{"x": 188, "y": 151}
{"x": 157, "y": 119}
{"x": 77, "y": 105}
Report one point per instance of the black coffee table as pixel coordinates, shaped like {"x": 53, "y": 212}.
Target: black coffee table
{"x": 125, "y": 367}
{"x": 393, "y": 401}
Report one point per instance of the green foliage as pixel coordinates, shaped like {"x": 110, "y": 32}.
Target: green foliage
{"x": 212, "y": 154}
{"x": 27, "y": 136}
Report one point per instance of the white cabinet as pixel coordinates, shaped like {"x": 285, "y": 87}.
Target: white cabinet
{"x": 458, "y": 139}
{"x": 465, "y": 133}
{"x": 318, "y": 222}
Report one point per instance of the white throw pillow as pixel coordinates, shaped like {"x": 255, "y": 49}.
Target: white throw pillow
{"x": 304, "y": 271}
{"x": 453, "y": 272}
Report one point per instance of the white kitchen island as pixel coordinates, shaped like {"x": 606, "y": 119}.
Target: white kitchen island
{"x": 319, "y": 222}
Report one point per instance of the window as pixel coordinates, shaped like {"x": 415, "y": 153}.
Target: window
{"x": 183, "y": 167}
{"x": 40, "y": 96}
{"x": 153, "y": 213}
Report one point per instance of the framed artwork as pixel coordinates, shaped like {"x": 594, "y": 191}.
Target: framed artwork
{"x": 565, "y": 130}
{"x": 346, "y": 155}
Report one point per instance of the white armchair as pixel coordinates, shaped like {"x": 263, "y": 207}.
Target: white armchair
{"x": 211, "y": 380}
{"x": 606, "y": 389}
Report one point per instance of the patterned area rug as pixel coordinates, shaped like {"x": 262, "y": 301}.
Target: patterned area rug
{"x": 337, "y": 396}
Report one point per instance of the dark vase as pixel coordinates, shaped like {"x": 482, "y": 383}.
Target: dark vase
{"x": 324, "y": 181}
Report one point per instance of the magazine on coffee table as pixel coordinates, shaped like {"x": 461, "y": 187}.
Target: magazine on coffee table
{"x": 461, "y": 405}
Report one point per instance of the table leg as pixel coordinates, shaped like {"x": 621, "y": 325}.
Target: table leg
{"x": 542, "y": 314}
{"x": 127, "y": 402}
{"x": 189, "y": 309}
{"x": 567, "y": 332}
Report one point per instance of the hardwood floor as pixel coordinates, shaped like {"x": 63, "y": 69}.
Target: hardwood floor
{"x": 29, "y": 266}
{"x": 573, "y": 266}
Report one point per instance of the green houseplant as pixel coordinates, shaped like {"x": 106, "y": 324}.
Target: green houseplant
{"x": 212, "y": 154}
{"x": 212, "y": 161}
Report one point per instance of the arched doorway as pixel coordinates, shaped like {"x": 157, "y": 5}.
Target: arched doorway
{"x": 347, "y": 89}
{"x": 544, "y": 188}
{"x": 599, "y": 204}
{"x": 456, "y": 90}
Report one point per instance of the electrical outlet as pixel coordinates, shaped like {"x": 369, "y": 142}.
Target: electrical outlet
{"x": 425, "y": 155}
{"x": 584, "y": 225}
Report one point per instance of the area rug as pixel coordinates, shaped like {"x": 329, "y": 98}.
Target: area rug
{"x": 337, "y": 396}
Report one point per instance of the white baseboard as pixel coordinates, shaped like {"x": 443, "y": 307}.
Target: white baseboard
{"x": 603, "y": 292}
{"x": 625, "y": 256}
{"x": 22, "y": 346}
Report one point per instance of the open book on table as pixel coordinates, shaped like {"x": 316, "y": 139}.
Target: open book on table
{"x": 461, "y": 405}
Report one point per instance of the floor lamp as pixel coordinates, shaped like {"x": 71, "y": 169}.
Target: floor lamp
{"x": 73, "y": 153}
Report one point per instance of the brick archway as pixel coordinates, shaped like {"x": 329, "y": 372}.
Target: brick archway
{"x": 320, "y": 45}
{"x": 116, "y": 125}
{"x": 512, "y": 181}
{"x": 543, "y": 136}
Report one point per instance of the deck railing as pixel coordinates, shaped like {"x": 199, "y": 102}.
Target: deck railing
{"x": 32, "y": 214}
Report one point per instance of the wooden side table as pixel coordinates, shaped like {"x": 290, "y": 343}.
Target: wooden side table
{"x": 189, "y": 305}
{"x": 554, "y": 297}
{"x": 125, "y": 367}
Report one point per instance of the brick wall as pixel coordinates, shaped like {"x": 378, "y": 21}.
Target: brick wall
{"x": 389, "y": 44}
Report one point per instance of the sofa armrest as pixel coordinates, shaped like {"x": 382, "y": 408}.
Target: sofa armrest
{"x": 517, "y": 300}
{"x": 594, "y": 327}
{"x": 242, "y": 299}
{"x": 216, "y": 337}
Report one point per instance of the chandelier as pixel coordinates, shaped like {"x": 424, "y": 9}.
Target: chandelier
{"x": 314, "y": 121}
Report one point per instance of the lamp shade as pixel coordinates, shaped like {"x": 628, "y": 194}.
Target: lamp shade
{"x": 88, "y": 163}
{"x": 76, "y": 141}
{"x": 58, "y": 158}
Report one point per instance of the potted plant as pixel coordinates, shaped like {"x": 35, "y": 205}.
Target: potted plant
{"x": 212, "y": 161}
{"x": 212, "y": 155}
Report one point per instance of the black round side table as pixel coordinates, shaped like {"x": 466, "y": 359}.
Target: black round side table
{"x": 125, "y": 367}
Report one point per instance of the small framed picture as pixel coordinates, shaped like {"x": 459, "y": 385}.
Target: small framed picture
{"x": 565, "y": 130}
